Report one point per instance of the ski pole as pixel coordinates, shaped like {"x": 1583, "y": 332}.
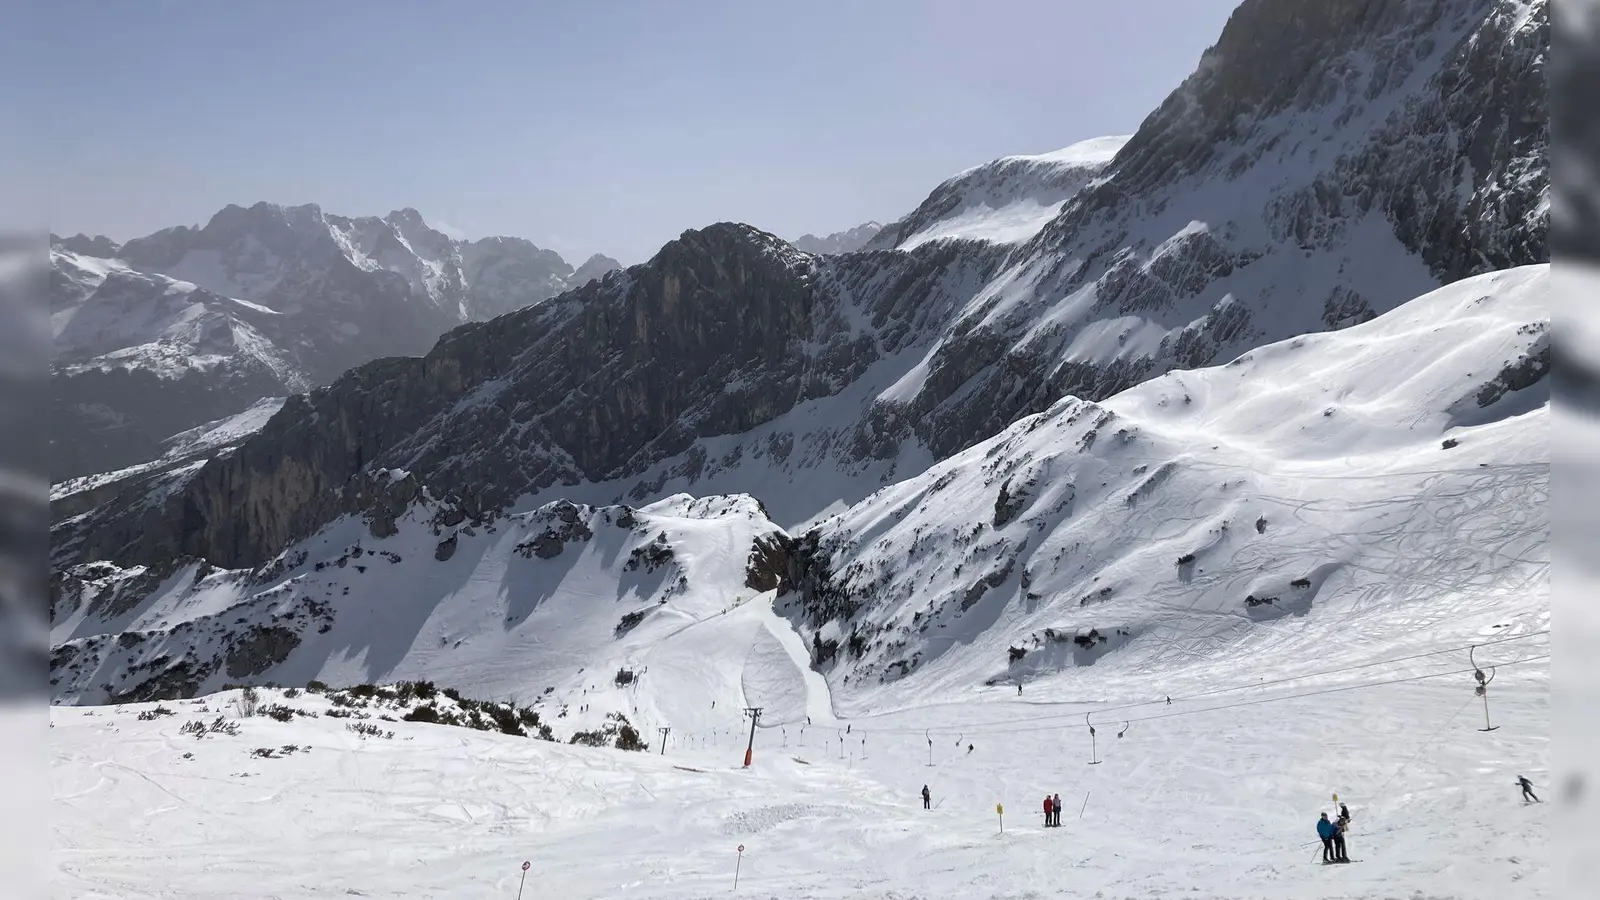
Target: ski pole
{"x": 1085, "y": 804}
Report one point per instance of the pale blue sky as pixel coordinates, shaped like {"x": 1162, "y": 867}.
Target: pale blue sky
{"x": 583, "y": 126}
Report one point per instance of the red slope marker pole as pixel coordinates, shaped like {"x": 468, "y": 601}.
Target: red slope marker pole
{"x": 736, "y": 866}
{"x": 524, "y": 880}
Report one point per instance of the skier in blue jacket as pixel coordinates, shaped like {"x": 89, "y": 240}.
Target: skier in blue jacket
{"x": 1325, "y": 830}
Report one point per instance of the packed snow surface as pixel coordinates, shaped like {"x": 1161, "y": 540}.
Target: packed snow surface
{"x": 1206, "y": 802}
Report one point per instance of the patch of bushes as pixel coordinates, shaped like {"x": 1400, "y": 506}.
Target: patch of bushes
{"x": 317, "y": 687}
{"x": 278, "y": 712}
{"x": 151, "y": 715}
{"x": 200, "y": 729}
{"x": 629, "y": 621}
{"x": 628, "y": 739}
{"x": 624, "y": 677}
{"x": 615, "y": 732}
{"x": 248, "y": 704}
{"x": 367, "y": 729}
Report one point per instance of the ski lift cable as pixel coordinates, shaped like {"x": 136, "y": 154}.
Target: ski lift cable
{"x": 1254, "y": 686}
{"x": 1286, "y": 697}
{"x": 1001, "y": 727}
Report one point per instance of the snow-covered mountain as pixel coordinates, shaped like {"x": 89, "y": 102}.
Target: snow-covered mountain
{"x": 1167, "y": 528}
{"x": 188, "y": 324}
{"x": 1252, "y": 206}
{"x": 1006, "y": 201}
{"x": 840, "y": 241}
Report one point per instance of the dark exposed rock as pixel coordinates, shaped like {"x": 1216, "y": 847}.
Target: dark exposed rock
{"x": 259, "y": 650}
{"x": 649, "y": 556}
{"x": 810, "y": 582}
{"x": 769, "y": 561}
{"x": 1008, "y": 504}
{"x": 1519, "y": 375}
{"x": 447, "y": 549}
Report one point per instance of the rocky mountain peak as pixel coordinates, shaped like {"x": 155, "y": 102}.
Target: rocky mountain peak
{"x": 99, "y": 246}
{"x": 596, "y": 266}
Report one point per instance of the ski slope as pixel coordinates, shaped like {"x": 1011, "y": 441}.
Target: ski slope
{"x": 1203, "y": 804}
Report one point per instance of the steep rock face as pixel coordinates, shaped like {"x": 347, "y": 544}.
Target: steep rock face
{"x": 591, "y": 386}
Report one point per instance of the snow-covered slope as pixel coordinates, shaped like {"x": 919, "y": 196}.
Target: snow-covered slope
{"x": 497, "y": 606}
{"x": 847, "y": 241}
{"x": 1006, "y": 201}
{"x": 1387, "y": 481}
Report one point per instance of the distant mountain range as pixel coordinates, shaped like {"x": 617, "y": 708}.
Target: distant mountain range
{"x": 189, "y": 325}
{"x": 840, "y": 241}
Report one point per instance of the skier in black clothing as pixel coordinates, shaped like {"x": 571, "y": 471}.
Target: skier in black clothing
{"x": 1339, "y": 854}
{"x": 1527, "y": 789}
{"x": 927, "y": 798}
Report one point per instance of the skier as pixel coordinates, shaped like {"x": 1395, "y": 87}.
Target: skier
{"x": 1339, "y": 854}
{"x": 1325, "y": 831}
{"x": 1049, "y": 808}
{"x": 1344, "y": 817}
{"x": 927, "y": 798}
{"x": 1169, "y": 701}
{"x": 1527, "y": 789}
{"x": 969, "y": 749}
{"x": 1019, "y": 689}
{"x": 1055, "y": 803}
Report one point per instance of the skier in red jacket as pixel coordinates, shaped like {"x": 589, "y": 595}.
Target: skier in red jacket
{"x": 1049, "y": 807}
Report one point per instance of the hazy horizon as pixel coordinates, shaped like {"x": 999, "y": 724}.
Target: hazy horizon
{"x": 584, "y": 130}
